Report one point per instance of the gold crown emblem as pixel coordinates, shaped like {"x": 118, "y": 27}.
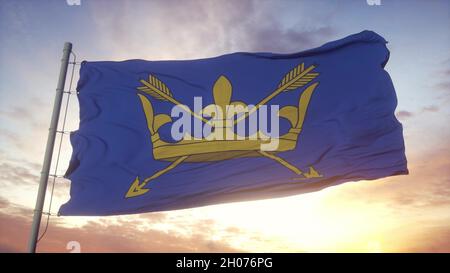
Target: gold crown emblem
{"x": 224, "y": 143}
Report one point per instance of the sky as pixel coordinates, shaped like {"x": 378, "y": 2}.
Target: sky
{"x": 396, "y": 214}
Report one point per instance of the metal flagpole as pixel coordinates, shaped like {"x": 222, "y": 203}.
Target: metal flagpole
{"x": 49, "y": 149}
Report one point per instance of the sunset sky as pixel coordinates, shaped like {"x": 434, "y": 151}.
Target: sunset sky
{"x": 404, "y": 213}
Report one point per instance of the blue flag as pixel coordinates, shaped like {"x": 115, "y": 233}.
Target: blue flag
{"x": 166, "y": 135}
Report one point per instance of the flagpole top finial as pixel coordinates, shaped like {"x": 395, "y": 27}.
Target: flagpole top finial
{"x": 67, "y": 46}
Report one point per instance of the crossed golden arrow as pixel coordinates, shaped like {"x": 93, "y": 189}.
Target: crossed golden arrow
{"x": 294, "y": 79}
{"x": 297, "y": 77}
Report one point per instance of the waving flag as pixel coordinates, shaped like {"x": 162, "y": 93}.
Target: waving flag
{"x": 165, "y": 135}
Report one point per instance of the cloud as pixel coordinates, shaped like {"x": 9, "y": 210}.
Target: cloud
{"x": 153, "y": 217}
{"x": 17, "y": 175}
{"x": 433, "y": 238}
{"x": 286, "y": 40}
{"x": 413, "y": 208}
{"x": 7, "y": 207}
{"x": 410, "y": 199}
{"x": 216, "y": 27}
{"x": 19, "y": 181}
{"x": 403, "y": 115}
{"x": 10, "y": 137}
{"x": 18, "y": 113}
{"x": 443, "y": 83}
{"x": 446, "y": 72}
{"x": 98, "y": 236}
{"x": 28, "y": 112}
{"x": 428, "y": 185}
{"x": 431, "y": 108}
{"x": 4, "y": 203}
{"x": 425, "y": 189}
{"x": 443, "y": 86}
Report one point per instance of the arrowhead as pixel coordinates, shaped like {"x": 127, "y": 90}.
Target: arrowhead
{"x": 312, "y": 173}
{"x": 136, "y": 189}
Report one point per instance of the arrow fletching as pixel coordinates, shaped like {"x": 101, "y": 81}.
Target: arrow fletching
{"x": 156, "y": 88}
{"x": 297, "y": 77}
